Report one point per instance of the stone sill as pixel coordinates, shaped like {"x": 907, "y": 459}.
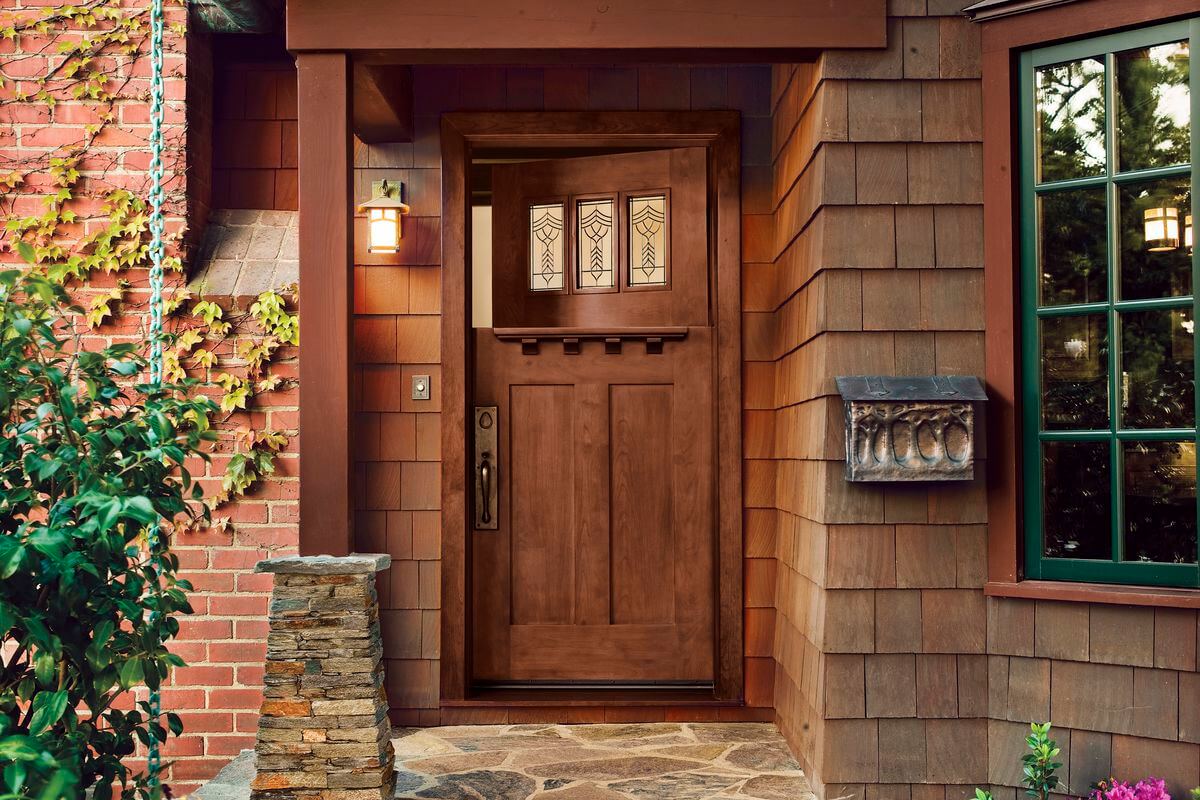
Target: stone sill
{"x": 1160, "y": 597}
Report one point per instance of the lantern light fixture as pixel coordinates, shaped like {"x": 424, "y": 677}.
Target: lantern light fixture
{"x": 1187, "y": 232}
{"x": 1161, "y": 229}
{"x": 384, "y": 210}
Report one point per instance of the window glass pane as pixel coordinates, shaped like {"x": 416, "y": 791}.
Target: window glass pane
{"x": 546, "y": 250}
{"x": 1073, "y": 246}
{"x": 1160, "y": 502}
{"x": 1156, "y": 361}
{"x": 1070, "y": 120}
{"x": 1076, "y": 500}
{"x": 1154, "y": 107}
{"x": 1074, "y": 372}
{"x": 1154, "y": 220}
{"x": 596, "y": 256}
{"x": 647, "y": 241}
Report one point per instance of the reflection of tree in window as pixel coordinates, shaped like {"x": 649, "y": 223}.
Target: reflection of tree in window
{"x": 1070, "y": 106}
{"x": 1153, "y": 106}
{"x": 1160, "y": 502}
{"x": 1156, "y": 359}
{"x": 1073, "y": 247}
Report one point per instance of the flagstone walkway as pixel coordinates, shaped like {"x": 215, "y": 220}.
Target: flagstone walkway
{"x": 659, "y": 761}
{"x": 656, "y": 761}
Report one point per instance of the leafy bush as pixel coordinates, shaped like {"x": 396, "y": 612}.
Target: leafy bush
{"x": 1038, "y": 765}
{"x": 90, "y": 461}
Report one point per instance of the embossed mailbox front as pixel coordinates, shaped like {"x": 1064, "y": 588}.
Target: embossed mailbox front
{"x": 910, "y": 428}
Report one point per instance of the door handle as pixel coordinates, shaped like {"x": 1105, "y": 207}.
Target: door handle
{"x": 485, "y": 479}
{"x": 487, "y": 462}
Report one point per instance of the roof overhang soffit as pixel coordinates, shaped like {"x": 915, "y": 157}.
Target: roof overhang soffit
{"x": 568, "y": 31}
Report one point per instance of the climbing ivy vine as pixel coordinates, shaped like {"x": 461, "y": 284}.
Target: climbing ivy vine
{"x": 77, "y": 210}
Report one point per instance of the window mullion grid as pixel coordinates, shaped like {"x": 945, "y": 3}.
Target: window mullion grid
{"x": 1194, "y": 98}
{"x": 1115, "y": 477}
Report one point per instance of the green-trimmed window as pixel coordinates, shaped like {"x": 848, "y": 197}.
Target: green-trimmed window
{"x": 1108, "y": 308}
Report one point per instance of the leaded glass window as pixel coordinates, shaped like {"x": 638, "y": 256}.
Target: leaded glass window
{"x": 648, "y": 240}
{"x": 547, "y": 250}
{"x": 596, "y": 256}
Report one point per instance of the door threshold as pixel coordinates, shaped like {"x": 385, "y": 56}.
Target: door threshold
{"x": 588, "y": 696}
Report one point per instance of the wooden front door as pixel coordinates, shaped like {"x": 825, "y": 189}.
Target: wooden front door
{"x": 592, "y": 558}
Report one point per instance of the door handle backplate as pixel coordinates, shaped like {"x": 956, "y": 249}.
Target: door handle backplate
{"x": 487, "y": 461}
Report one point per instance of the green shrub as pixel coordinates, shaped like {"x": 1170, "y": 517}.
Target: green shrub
{"x": 1038, "y": 766}
{"x": 89, "y": 462}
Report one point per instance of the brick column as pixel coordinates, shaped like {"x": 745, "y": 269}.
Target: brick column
{"x": 324, "y": 732}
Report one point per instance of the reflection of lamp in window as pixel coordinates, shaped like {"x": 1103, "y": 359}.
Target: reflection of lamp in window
{"x": 1162, "y": 229}
{"x": 1075, "y": 348}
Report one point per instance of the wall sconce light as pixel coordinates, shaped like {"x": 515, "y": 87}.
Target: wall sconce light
{"x": 384, "y": 210}
{"x": 1162, "y": 229}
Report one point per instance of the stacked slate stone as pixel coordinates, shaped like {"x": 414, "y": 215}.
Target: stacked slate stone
{"x": 324, "y": 732}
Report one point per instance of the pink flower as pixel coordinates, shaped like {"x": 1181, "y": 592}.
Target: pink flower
{"x": 1148, "y": 789}
{"x": 1151, "y": 789}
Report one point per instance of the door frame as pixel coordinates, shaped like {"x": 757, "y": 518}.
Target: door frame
{"x": 719, "y": 133}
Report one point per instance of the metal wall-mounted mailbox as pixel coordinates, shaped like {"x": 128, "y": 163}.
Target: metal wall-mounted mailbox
{"x": 910, "y": 428}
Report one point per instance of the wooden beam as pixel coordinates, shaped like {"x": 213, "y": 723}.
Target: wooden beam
{"x": 326, "y": 413}
{"x": 382, "y": 107}
{"x": 554, "y": 25}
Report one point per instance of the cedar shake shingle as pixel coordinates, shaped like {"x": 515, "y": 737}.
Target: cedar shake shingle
{"x": 851, "y": 751}
{"x": 891, "y": 685}
{"x": 1061, "y": 630}
{"x": 844, "y": 681}
{"x": 889, "y": 298}
{"x": 972, "y": 686}
{"x": 1156, "y": 703}
{"x": 1122, "y": 635}
{"x": 902, "y": 755}
{"x": 881, "y": 173}
{"x": 1097, "y": 697}
{"x": 1175, "y": 636}
{"x": 1189, "y": 707}
{"x": 956, "y": 751}
{"x": 884, "y": 111}
{"x": 937, "y": 686}
{"x": 921, "y": 48}
{"x": 898, "y": 621}
{"x": 1028, "y": 689}
{"x": 925, "y": 556}
{"x": 953, "y": 621}
{"x": 1090, "y": 760}
{"x": 951, "y": 111}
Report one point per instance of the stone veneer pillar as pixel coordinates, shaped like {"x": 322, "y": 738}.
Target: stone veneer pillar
{"x": 324, "y": 732}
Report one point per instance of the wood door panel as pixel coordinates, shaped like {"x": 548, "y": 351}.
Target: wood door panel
{"x": 643, "y": 531}
{"x": 541, "y": 468}
{"x": 608, "y": 652}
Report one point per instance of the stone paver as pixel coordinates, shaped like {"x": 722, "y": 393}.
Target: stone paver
{"x": 686, "y": 761}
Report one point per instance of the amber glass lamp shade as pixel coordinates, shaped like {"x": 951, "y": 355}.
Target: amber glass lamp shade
{"x": 1161, "y": 229}
{"x": 384, "y": 211}
{"x": 383, "y": 230}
